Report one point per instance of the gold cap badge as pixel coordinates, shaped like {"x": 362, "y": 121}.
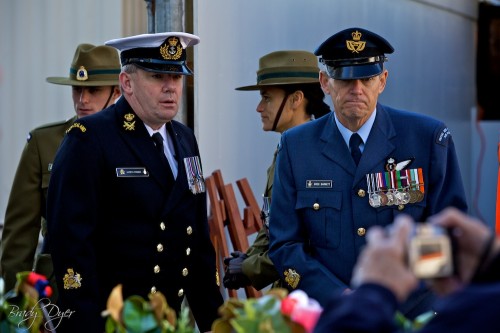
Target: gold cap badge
{"x": 172, "y": 49}
{"x": 81, "y": 74}
{"x": 355, "y": 45}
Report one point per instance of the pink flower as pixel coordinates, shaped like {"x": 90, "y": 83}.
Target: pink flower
{"x": 301, "y": 309}
{"x": 307, "y": 317}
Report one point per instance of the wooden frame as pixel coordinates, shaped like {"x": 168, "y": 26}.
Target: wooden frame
{"x": 225, "y": 212}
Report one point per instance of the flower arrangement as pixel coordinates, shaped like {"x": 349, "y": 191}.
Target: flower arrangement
{"x": 276, "y": 311}
{"x": 21, "y": 309}
{"x": 136, "y": 315}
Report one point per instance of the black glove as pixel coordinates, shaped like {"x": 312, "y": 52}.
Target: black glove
{"x": 234, "y": 278}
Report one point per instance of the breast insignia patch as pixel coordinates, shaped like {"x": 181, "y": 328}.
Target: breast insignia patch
{"x": 292, "y": 278}
{"x": 72, "y": 280}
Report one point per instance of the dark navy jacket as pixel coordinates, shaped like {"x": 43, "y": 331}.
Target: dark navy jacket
{"x": 371, "y": 309}
{"x": 113, "y": 220}
{"x": 317, "y": 232}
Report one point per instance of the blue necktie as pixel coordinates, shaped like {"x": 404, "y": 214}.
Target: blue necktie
{"x": 354, "y": 143}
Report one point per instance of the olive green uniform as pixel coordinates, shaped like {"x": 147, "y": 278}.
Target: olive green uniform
{"x": 25, "y": 214}
{"x": 258, "y": 267}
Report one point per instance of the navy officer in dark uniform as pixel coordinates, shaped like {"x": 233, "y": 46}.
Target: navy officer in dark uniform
{"x": 361, "y": 166}
{"x": 126, "y": 201}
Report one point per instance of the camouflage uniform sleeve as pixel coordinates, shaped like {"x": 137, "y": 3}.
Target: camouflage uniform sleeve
{"x": 258, "y": 267}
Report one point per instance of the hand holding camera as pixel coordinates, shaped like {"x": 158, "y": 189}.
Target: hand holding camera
{"x": 447, "y": 251}
{"x": 430, "y": 252}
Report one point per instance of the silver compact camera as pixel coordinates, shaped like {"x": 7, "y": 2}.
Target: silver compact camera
{"x": 430, "y": 252}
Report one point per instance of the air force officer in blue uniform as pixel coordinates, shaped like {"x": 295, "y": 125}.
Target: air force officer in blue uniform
{"x": 330, "y": 188}
{"x": 126, "y": 200}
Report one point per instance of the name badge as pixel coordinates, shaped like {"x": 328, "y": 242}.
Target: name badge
{"x": 132, "y": 172}
{"x": 319, "y": 183}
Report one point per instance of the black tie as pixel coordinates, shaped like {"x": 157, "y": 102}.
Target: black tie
{"x": 354, "y": 143}
{"x": 158, "y": 140}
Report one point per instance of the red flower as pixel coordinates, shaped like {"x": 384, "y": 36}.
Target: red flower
{"x": 40, "y": 283}
{"x": 301, "y": 309}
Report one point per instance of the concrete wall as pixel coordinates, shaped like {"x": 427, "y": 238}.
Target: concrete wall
{"x": 38, "y": 39}
{"x": 432, "y": 70}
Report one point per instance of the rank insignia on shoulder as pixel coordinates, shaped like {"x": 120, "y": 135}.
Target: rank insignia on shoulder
{"x": 443, "y": 136}
{"x": 72, "y": 280}
{"x": 292, "y": 278}
{"x": 77, "y": 125}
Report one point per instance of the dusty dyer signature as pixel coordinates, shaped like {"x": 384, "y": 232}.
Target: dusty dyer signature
{"x": 43, "y": 309}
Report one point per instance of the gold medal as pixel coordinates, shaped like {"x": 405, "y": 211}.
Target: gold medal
{"x": 383, "y": 199}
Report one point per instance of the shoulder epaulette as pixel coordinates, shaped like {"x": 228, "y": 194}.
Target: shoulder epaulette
{"x": 56, "y": 123}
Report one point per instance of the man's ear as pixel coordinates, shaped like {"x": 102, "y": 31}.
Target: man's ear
{"x": 323, "y": 80}
{"x": 125, "y": 82}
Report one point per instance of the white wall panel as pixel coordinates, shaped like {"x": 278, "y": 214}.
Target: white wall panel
{"x": 38, "y": 39}
{"x": 432, "y": 70}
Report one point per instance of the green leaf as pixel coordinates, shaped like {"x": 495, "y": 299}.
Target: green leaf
{"x": 138, "y": 317}
{"x": 423, "y": 319}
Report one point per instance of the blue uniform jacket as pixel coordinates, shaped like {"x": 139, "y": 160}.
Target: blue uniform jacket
{"x": 371, "y": 310}
{"x": 112, "y": 220}
{"x": 317, "y": 232}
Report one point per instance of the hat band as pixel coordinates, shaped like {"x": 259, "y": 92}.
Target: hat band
{"x": 150, "y": 61}
{"x": 73, "y": 71}
{"x": 354, "y": 61}
{"x": 282, "y": 75}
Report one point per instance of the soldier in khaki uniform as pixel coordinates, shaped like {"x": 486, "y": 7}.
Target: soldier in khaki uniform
{"x": 291, "y": 95}
{"x": 93, "y": 76}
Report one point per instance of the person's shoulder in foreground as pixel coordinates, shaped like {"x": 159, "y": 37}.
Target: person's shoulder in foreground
{"x": 290, "y": 96}
{"x": 383, "y": 278}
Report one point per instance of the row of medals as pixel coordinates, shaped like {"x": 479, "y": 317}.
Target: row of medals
{"x": 388, "y": 196}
